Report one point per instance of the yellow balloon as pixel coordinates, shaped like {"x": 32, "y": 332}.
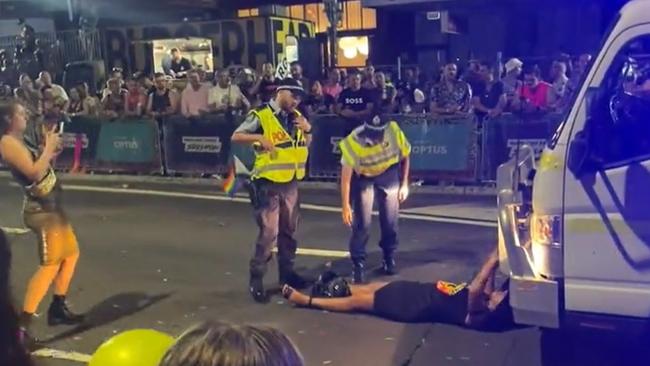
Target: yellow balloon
{"x": 139, "y": 347}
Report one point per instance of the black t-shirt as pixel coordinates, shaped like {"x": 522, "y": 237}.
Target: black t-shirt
{"x": 356, "y": 100}
{"x": 267, "y": 88}
{"x": 489, "y": 98}
{"x": 181, "y": 66}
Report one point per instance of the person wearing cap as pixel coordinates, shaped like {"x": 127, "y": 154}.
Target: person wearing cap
{"x": 374, "y": 167}
{"x": 511, "y": 83}
{"x": 280, "y": 136}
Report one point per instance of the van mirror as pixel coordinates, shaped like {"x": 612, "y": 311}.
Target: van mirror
{"x": 579, "y": 153}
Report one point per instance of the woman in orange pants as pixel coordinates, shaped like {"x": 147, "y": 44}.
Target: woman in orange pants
{"x": 30, "y": 166}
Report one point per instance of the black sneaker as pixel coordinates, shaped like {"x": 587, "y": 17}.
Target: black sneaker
{"x": 59, "y": 313}
{"x": 30, "y": 343}
{"x": 388, "y": 266}
{"x": 359, "y": 274}
{"x": 257, "y": 291}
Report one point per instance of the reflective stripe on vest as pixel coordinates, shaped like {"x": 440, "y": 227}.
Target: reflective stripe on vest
{"x": 372, "y": 160}
{"x": 289, "y": 159}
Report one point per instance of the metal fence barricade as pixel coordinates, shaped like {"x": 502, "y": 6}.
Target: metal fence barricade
{"x": 324, "y": 152}
{"x": 198, "y": 146}
{"x": 443, "y": 148}
{"x": 502, "y": 135}
{"x": 129, "y": 145}
{"x": 79, "y": 144}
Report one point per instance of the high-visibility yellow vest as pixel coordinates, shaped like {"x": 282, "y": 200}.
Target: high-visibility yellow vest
{"x": 372, "y": 160}
{"x": 289, "y": 159}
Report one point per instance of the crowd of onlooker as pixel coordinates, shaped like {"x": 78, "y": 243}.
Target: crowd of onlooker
{"x": 481, "y": 89}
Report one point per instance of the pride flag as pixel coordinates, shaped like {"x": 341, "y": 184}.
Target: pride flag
{"x": 237, "y": 176}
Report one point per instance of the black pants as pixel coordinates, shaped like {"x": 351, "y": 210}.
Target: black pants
{"x": 277, "y": 213}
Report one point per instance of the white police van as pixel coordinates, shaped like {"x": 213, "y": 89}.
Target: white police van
{"x": 574, "y": 227}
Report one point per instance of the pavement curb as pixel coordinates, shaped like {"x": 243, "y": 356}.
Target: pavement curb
{"x": 211, "y": 182}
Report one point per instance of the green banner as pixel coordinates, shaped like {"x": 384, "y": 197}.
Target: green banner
{"x": 439, "y": 145}
{"x": 128, "y": 142}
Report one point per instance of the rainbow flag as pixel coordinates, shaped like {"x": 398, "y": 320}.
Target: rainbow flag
{"x": 237, "y": 176}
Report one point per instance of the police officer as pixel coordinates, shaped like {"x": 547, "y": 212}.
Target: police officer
{"x": 280, "y": 136}
{"x": 374, "y": 165}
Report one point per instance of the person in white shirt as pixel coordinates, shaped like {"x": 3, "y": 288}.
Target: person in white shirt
{"x": 194, "y": 99}
{"x": 58, "y": 92}
{"x": 225, "y": 96}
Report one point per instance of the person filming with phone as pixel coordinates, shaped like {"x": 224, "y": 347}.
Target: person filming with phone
{"x": 280, "y": 136}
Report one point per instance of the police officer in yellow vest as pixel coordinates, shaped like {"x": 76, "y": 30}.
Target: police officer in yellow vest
{"x": 280, "y": 136}
{"x": 375, "y": 166}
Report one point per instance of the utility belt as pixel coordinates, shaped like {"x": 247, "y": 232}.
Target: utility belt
{"x": 260, "y": 189}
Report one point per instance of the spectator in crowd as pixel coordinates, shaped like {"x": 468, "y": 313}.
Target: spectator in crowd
{"x": 180, "y": 66}
{"x": 355, "y": 103}
{"x": 450, "y": 96}
{"x": 406, "y": 89}
{"x": 76, "y": 103}
{"x": 12, "y": 352}
{"x": 385, "y": 93}
{"x": 296, "y": 74}
{"x": 113, "y": 103}
{"x": 266, "y": 85}
{"x": 368, "y": 77}
{"x": 54, "y": 108}
{"x": 332, "y": 85}
{"x": 511, "y": 83}
{"x": 225, "y": 96}
{"x": 489, "y": 98}
{"x": 162, "y": 101}
{"x": 91, "y": 105}
{"x": 29, "y": 96}
{"x": 215, "y": 344}
{"x": 344, "y": 77}
{"x": 558, "y": 93}
{"x": 579, "y": 69}
{"x": 472, "y": 75}
{"x": 318, "y": 102}
{"x": 135, "y": 99}
{"x": 194, "y": 99}
{"x": 46, "y": 80}
{"x": 534, "y": 92}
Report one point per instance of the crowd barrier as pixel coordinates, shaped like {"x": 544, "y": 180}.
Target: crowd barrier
{"x": 502, "y": 135}
{"x": 125, "y": 145}
{"x": 450, "y": 149}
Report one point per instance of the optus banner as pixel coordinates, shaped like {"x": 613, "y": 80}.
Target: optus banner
{"x": 439, "y": 145}
{"x": 129, "y": 145}
{"x": 324, "y": 151}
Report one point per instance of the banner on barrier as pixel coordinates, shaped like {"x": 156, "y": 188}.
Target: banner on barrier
{"x": 82, "y": 130}
{"x": 503, "y": 135}
{"x": 197, "y": 146}
{"x": 439, "y": 145}
{"x": 324, "y": 152}
{"x": 125, "y": 145}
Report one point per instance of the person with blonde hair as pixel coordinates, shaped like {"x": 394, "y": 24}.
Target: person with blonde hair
{"x": 218, "y": 344}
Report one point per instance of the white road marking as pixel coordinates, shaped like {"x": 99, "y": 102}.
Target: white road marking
{"x": 62, "y": 355}
{"x": 320, "y": 252}
{"x": 15, "y": 230}
{"x": 313, "y": 207}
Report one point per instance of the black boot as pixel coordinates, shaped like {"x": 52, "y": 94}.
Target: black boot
{"x": 359, "y": 273}
{"x": 293, "y": 279}
{"x": 388, "y": 266}
{"x": 60, "y": 314}
{"x": 29, "y": 342}
{"x": 256, "y": 288}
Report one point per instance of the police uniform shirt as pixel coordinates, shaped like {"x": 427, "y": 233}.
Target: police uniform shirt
{"x": 252, "y": 124}
{"x": 404, "y": 147}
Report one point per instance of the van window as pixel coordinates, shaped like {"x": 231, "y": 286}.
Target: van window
{"x": 620, "y": 125}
